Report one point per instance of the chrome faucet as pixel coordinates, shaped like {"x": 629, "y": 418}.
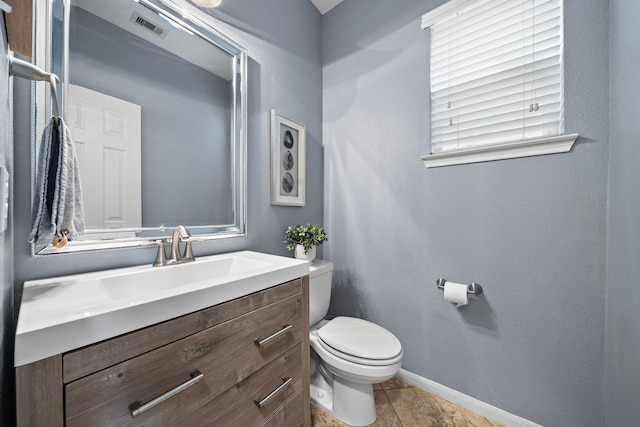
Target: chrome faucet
{"x": 180, "y": 234}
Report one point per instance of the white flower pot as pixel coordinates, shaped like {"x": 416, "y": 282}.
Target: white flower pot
{"x": 309, "y": 256}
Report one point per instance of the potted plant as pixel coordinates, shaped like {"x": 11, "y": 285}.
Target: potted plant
{"x": 304, "y": 240}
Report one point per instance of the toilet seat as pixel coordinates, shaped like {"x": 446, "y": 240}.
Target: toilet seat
{"x": 360, "y": 341}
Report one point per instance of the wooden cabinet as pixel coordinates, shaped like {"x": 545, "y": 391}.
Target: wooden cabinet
{"x": 241, "y": 363}
{"x": 18, "y": 24}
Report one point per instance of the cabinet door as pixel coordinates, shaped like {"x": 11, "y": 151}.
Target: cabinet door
{"x": 226, "y": 355}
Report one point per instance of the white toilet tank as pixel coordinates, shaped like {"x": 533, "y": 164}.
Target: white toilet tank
{"x": 319, "y": 289}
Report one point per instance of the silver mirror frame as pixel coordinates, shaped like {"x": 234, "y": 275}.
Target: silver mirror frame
{"x": 195, "y": 20}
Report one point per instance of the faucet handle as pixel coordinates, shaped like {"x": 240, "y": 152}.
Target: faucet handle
{"x": 161, "y": 258}
{"x": 188, "y": 252}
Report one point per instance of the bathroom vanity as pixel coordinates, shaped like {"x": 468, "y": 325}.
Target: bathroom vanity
{"x": 243, "y": 361}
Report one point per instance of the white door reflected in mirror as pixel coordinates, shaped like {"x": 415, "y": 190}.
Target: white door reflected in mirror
{"x": 107, "y": 135}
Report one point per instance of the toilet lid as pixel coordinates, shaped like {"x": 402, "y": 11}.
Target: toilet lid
{"x": 360, "y": 338}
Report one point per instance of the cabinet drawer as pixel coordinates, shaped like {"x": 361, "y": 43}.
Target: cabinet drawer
{"x": 281, "y": 379}
{"x": 225, "y": 354}
{"x": 292, "y": 414}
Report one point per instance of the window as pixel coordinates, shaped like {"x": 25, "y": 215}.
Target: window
{"x": 496, "y": 74}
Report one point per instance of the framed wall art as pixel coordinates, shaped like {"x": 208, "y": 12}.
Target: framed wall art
{"x": 288, "y": 161}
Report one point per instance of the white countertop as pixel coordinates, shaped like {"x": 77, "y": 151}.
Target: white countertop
{"x": 64, "y": 313}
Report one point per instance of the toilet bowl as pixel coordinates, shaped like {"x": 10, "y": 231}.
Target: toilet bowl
{"x": 349, "y": 355}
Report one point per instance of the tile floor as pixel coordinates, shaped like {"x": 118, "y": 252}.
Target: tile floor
{"x": 402, "y": 405}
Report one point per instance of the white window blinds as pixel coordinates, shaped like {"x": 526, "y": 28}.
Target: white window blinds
{"x": 496, "y": 72}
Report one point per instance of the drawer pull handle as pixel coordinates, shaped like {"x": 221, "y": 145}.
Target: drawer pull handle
{"x": 285, "y": 382}
{"x": 136, "y": 408}
{"x": 260, "y": 342}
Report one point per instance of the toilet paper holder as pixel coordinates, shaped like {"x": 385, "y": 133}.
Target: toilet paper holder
{"x": 472, "y": 288}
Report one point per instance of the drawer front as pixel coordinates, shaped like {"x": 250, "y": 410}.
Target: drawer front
{"x": 225, "y": 354}
{"x": 290, "y": 415}
{"x": 276, "y": 385}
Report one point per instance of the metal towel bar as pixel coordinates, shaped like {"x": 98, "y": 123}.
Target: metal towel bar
{"x": 24, "y": 69}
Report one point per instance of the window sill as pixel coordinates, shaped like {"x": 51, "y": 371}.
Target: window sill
{"x": 511, "y": 150}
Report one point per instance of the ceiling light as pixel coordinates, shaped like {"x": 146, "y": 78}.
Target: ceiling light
{"x": 208, "y": 3}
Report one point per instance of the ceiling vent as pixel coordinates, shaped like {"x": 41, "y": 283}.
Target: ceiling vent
{"x": 148, "y": 25}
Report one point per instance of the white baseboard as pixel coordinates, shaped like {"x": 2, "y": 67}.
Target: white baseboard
{"x": 472, "y": 404}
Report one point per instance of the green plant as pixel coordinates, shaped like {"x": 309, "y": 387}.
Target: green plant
{"x": 307, "y": 236}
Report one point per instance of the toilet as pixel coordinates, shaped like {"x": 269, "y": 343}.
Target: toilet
{"x": 348, "y": 355}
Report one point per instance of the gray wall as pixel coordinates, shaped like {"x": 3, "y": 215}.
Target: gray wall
{"x": 185, "y": 120}
{"x": 532, "y": 231}
{"x": 6, "y": 258}
{"x": 623, "y": 287}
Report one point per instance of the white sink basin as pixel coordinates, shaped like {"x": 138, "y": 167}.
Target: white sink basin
{"x": 60, "y": 314}
{"x": 159, "y": 279}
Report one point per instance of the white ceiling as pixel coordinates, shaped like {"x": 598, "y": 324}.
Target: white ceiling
{"x": 325, "y": 5}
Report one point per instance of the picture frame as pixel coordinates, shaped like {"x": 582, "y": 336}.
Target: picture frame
{"x": 288, "y": 161}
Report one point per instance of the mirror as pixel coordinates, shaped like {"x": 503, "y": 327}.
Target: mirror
{"x": 155, "y": 100}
